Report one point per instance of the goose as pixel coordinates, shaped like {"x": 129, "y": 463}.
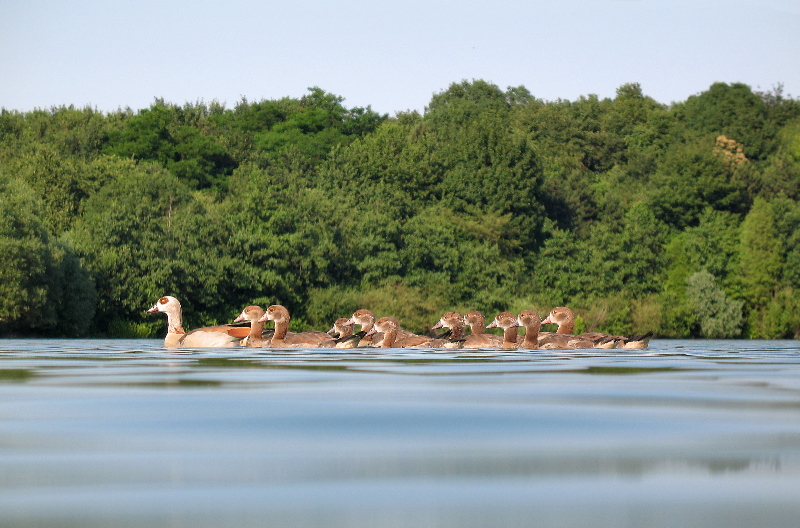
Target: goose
{"x": 479, "y": 338}
{"x": 531, "y": 321}
{"x": 455, "y": 323}
{"x": 255, "y": 338}
{"x": 282, "y": 338}
{"x": 209, "y": 336}
{"x": 343, "y": 334}
{"x": 390, "y": 328}
{"x": 565, "y": 319}
{"x": 533, "y": 340}
{"x": 444, "y": 340}
{"x": 508, "y": 322}
{"x": 366, "y": 319}
{"x": 340, "y": 329}
{"x": 476, "y": 322}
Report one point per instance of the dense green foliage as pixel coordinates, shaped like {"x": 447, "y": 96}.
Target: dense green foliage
{"x": 682, "y": 219}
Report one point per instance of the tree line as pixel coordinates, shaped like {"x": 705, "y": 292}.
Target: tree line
{"x": 683, "y": 219}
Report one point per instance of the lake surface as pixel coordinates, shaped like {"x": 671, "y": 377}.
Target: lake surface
{"x": 125, "y": 433}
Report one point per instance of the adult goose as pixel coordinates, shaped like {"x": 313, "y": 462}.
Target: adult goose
{"x": 209, "y": 336}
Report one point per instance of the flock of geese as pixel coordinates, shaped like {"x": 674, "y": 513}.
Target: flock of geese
{"x": 248, "y": 330}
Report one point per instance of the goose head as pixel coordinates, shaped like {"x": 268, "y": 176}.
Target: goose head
{"x": 341, "y": 328}
{"x": 475, "y": 320}
{"x": 361, "y": 317}
{"x": 276, "y": 313}
{"x": 251, "y": 313}
{"x": 504, "y": 320}
{"x": 167, "y": 304}
{"x": 385, "y": 325}
{"x": 529, "y": 319}
{"x": 449, "y": 320}
{"x": 563, "y": 317}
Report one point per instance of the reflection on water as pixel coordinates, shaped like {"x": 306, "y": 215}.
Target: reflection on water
{"x": 126, "y": 433}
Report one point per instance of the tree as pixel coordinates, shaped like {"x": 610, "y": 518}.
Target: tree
{"x": 732, "y": 110}
{"x": 287, "y": 239}
{"x": 25, "y": 257}
{"x": 630, "y": 258}
{"x": 481, "y": 161}
{"x": 719, "y": 316}
{"x": 689, "y": 178}
{"x": 760, "y": 261}
{"x": 157, "y": 134}
{"x": 311, "y": 126}
{"x": 43, "y": 287}
{"x": 462, "y": 102}
{"x": 490, "y": 199}
{"x": 780, "y": 176}
{"x": 562, "y": 269}
{"x": 128, "y": 241}
{"x": 760, "y": 254}
{"x": 462, "y": 257}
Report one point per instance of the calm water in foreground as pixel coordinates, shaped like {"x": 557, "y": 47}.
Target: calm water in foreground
{"x": 125, "y": 433}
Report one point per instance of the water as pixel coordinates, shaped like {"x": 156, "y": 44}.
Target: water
{"x": 128, "y": 434}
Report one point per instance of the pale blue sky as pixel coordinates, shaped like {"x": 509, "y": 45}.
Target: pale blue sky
{"x": 392, "y": 55}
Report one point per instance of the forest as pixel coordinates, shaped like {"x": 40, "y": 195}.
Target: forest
{"x": 681, "y": 219}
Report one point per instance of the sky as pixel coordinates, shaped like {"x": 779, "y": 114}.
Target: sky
{"x": 390, "y": 55}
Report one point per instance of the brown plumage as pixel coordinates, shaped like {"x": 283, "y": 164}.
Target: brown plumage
{"x": 343, "y": 334}
{"x": 508, "y": 322}
{"x": 547, "y": 340}
{"x": 479, "y": 338}
{"x": 455, "y": 323}
{"x": 444, "y": 341}
{"x": 565, "y": 319}
{"x": 282, "y": 338}
{"x": 531, "y": 321}
{"x": 389, "y": 327}
{"x": 366, "y": 319}
{"x": 255, "y": 338}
